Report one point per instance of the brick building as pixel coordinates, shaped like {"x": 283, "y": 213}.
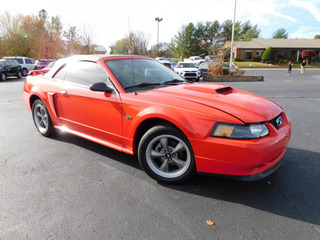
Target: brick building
{"x": 289, "y": 49}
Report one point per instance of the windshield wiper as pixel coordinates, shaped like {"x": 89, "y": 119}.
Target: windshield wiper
{"x": 141, "y": 85}
{"x": 174, "y": 82}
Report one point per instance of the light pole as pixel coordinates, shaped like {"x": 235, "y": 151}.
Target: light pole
{"x": 158, "y": 20}
{"x": 232, "y": 36}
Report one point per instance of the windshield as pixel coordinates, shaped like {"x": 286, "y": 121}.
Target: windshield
{"x": 186, "y": 65}
{"x": 142, "y": 72}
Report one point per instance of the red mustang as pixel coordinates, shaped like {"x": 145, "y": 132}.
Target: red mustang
{"x": 138, "y": 106}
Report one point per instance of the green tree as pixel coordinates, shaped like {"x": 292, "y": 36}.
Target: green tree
{"x": 281, "y": 33}
{"x": 226, "y": 30}
{"x": 171, "y": 49}
{"x": 247, "y": 31}
{"x": 186, "y": 41}
{"x": 122, "y": 46}
{"x": 317, "y": 37}
{"x": 268, "y": 54}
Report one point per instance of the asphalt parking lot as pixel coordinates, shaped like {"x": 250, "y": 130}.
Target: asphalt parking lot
{"x": 69, "y": 188}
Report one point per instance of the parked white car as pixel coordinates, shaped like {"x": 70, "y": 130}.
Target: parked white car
{"x": 195, "y": 59}
{"x": 188, "y": 70}
{"x": 25, "y": 63}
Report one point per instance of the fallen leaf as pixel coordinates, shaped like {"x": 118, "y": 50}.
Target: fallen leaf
{"x": 209, "y": 222}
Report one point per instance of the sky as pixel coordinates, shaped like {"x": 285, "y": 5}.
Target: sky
{"x": 111, "y": 20}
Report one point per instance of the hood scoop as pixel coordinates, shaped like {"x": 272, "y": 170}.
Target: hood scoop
{"x": 225, "y": 90}
{"x": 217, "y": 89}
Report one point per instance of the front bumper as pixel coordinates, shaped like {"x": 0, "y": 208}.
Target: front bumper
{"x": 243, "y": 159}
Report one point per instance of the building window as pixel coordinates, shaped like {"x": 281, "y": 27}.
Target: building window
{"x": 248, "y": 54}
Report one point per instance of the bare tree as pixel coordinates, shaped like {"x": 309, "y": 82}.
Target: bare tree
{"x": 87, "y": 39}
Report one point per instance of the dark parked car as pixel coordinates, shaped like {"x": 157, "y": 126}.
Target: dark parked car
{"x": 42, "y": 63}
{"x": 204, "y": 68}
{"x": 8, "y": 68}
{"x": 25, "y": 63}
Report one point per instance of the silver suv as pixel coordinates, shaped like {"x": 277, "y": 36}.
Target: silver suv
{"x": 25, "y": 63}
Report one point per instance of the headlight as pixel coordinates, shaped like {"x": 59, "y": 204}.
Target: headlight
{"x": 181, "y": 73}
{"x": 235, "y": 131}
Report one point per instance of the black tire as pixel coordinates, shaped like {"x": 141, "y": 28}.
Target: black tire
{"x": 24, "y": 72}
{"x": 42, "y": 119}
{"x": 166, "y": 155}
{"x": 19, "y": 74}
{"x": 3, "y": 76}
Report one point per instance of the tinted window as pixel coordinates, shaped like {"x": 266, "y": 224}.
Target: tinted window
{"x": 85, "y": 73}
{"x": 60, "y": 75}
{"x": 13, "y": 63}
{"x": 20, "y": 60}
{"x": 28, "y": 61}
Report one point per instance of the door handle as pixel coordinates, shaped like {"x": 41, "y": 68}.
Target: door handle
{"x": 63, "y": 91}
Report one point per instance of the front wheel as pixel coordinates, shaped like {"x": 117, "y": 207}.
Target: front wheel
{"x": 42, "y": 119}
{"x": 166, "y": 155}
{"x": 3, "y": 76}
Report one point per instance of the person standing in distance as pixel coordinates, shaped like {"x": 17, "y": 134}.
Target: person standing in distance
{"x": 303, "y": 66}
{"x": 290, "y": 68}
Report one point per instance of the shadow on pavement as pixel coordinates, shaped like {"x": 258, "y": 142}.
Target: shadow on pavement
{"x": 12, "y": 80}
{"x": 292, "y": 191}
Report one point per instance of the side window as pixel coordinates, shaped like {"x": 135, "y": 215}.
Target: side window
{"x": 61, "y": 74}
{"x": 86, "y": 73}
{"x": 100, "y": 75}
{"x": 12, "y": 63}
{"x": 20, "y": 60}
{"x": 28, "y": 61}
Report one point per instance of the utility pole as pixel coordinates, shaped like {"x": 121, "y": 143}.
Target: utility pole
{"x": 232, "y": 36}
{"x": 158, "y": 20}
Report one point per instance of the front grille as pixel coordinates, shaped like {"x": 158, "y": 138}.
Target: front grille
{"x": 190, "y": 74}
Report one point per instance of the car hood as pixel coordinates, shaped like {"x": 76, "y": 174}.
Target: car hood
{"x": 245, "y": 106}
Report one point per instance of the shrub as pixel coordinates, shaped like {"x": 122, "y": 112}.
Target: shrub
{"x": 256, "y": 58}
{"x": 268, "y": 54}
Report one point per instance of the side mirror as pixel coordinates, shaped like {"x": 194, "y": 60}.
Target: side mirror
{"x": 100, "y": 87}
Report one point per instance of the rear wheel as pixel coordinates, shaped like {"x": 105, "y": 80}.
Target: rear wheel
{"x": 166, "y": 155}
{"x": 42, "y": 119}
{"x": 19, "y": 74}
{"x": 24, "y": 72}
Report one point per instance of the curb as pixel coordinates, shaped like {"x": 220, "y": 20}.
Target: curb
{"x": 232, "y": 78}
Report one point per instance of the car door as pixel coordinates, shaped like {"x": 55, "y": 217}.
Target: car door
{"x": 14, "y": 67}
{"x": 95, "y": 114}
{"x": 7, "y": 68}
